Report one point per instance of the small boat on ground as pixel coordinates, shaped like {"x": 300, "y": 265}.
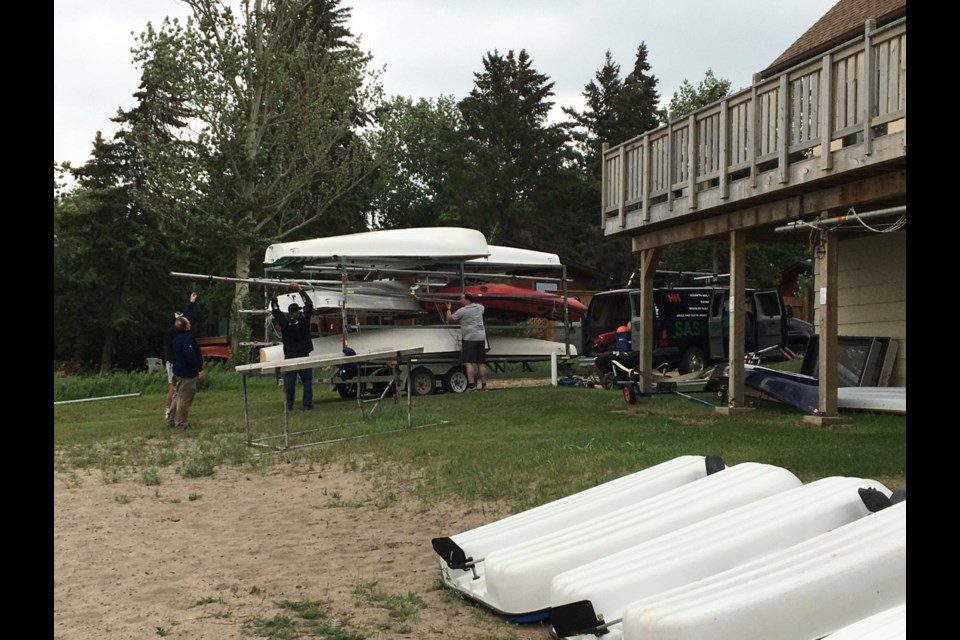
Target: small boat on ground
{"x": 874, "y": 399}
{"x": 514, "y": 580}
{"x": 808, "y": 590}
{"x": 886, "y": 625}
{"x": 599, "y": 591}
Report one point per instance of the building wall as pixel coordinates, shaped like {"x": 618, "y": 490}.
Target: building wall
{"x": 872, "y": 292}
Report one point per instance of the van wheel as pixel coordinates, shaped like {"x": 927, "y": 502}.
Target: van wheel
{"x": 692, "y": 360}
{"x": 455, "y": 380}
{"x": 348, "y": 390}
{"x": 423, "y": 381}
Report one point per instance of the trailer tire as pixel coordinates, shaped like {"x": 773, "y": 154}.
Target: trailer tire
{"x": 692, "y": 360}
{"x": 422, "y": 381}
{"x": 455, "y": 380}
{"x": 629, "y": 393}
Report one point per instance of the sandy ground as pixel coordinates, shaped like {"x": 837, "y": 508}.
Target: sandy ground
{"x": 205, "y": 558}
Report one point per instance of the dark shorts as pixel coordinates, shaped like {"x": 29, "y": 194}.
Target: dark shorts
{"x": 473, "y": 351}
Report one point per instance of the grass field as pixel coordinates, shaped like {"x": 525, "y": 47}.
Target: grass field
{"x": 519, "y": 446}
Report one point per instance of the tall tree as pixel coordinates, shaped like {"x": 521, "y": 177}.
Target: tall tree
{"x": 418, "y": 145}
{"x": 108, "y": 260}
{"x": 512, "y": 157}
{"x": 278, "y": 93}
{"x": 617, "y": 109}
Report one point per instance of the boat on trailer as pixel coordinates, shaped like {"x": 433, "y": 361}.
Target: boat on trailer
{"x": 385, "y": 249}
{"x": 507, "y": 301}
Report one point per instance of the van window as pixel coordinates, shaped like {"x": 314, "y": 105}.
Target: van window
{"x": 611, "y": 310}
{"x": 769, "y": 304}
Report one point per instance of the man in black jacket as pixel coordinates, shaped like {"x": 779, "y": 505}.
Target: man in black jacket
{"x": 168, "y": 350}
{"x": 297, "y": 343}
{"x": 187, "y": 371}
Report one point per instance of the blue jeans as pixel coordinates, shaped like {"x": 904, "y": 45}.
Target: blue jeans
{"x": 290, "y": 387}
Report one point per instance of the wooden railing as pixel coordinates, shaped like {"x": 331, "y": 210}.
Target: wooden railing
{"x": 745, "y": 145}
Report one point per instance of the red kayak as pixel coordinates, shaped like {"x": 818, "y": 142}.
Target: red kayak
{"x": 508, "y": 302}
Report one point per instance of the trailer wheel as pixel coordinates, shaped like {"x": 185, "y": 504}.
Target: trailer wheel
{"x": 455, "y": 380}
{"x": 609, "y": 381}
{"x": 629, "y": 393}
{"x": 423, "y": 381}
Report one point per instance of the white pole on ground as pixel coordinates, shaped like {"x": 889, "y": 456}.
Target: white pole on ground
{"x": 553, "y": 369}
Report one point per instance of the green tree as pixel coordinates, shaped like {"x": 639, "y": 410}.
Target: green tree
{"x": 417, "y": 143}
{"x": 688, "y": 99}
{"x": 513, "y": 159}
{"x": 109, "y": 260}
{"x": 278, "y": 93}
{"x": 617, "y": 109}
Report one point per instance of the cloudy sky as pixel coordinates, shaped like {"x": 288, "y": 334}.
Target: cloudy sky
{"x": 429, "y": 48}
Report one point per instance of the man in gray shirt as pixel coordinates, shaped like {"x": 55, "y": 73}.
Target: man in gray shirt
{"x": 470, "y": 317}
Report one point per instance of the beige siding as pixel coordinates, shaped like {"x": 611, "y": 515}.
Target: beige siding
{"x": 872, "y": 292}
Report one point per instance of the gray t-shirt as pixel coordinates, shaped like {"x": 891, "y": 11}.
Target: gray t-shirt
{"x": 470, "y": 318}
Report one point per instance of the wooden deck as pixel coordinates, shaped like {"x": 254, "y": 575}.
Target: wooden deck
{"x": 825, "y": 134}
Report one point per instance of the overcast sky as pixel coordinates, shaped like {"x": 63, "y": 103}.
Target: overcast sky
{"x": 430, "y": 48}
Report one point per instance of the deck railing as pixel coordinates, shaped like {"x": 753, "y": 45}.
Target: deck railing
{"x": 851, "y": 95}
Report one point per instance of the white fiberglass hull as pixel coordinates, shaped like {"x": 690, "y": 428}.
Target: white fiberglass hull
{"x": 705, "y": 548}
{"x": 434, "y": 340}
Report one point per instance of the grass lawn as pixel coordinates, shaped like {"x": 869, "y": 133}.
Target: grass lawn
{"x": 519, "y": 446}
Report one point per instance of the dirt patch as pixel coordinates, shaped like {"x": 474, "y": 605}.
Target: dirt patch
{"x": 208, "y": 558}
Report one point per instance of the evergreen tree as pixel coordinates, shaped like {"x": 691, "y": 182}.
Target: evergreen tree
{"x": 513, "y": 160}
{"x": 616, "y": 111}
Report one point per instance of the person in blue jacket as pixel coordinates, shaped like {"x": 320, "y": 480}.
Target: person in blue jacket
{"x": 168, "y": 336}
{"x": 297, "y": 343}
{"x": 187, "y": 371}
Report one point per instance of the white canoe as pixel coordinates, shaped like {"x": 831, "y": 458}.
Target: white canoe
{"x": 700, "y": 550}
{"x": 376, "y": 295}
{"x": 878, "y": 399}
{"x": 563, "y": 512}
{"x": 390, "y": 248}
{"x": 515, "y": 580}
{"x": 434, "y": 340}
{"x": 886, "y": 625}
{"x": 805, "y": 591}
{"x": 513, "y": 257}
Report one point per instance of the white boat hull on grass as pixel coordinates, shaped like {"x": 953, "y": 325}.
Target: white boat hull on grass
{"x": 886, "y": 625}
{"x": 803, "y": 592}
{"x": 515, "y": 580}
{"x": 876, "y": 399}
{"x": 476, "y": 543}
{"x": 606, "y": 586}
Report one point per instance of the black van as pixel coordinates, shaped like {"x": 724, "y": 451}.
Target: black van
{"x": 691, "y": 324}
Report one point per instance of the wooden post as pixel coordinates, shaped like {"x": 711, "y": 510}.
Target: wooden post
{"x": 735, "y": 349}
{"x": 603, "y": 185}
{"x": 783, "y": 129}
{"x": 868, "y": 85}
{"x": 693, "y": 161}
{"x": 827, "y": 299}
{"x": 649, "y": 259}
{"x": 827, "y": 101}
{"x": 724, "y": 149}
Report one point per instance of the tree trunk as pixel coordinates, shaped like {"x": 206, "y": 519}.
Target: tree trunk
{"x": 106, "y": 356}
{"x": 238, "y": 327}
